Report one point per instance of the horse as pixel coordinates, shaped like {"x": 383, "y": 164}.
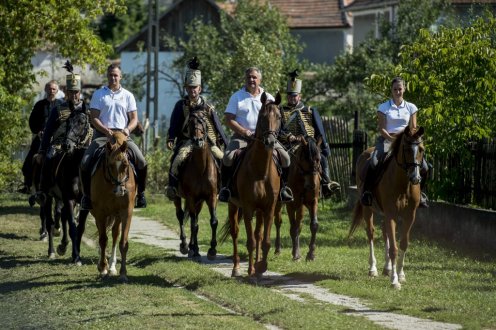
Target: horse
{"x": 113, "y": 192}
{"x": 198, "y": 184}
{"x": 396, "y": 195}
{"x": 304, "y": 181}
{"x": 257, "y": 184}
{"x": 66, "y": 186}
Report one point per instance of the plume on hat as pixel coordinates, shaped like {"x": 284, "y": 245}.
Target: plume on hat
{"x": 68, "y": 66}
{"x": 194, "y": 63}
{"x": 293, "y": 75}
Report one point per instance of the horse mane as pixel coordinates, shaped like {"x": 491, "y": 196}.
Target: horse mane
{"x": 313, "y": 149}
{"x": 395, "y": 147}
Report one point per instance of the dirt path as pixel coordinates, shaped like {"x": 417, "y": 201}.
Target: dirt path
{"x": 153, "y": 233}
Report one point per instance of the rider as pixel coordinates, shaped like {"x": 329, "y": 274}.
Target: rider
{"x": 113, "y": 108}
{"x": 178, "y": 130}
{"x": 241, "y": 117}
{"x": 55, "y": 130}
{"x": 394, "y": 116}
{"x": 37, "y": 121}
{"x": 300, "y": 120}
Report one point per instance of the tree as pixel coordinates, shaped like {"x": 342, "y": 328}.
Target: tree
{"x": 255, "y": 35}
{"x": 27, "y": 26}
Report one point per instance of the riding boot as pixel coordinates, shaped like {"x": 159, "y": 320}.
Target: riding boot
{"x": 85, "y": 176}
{"x": 45, "y": 182}
{"x": 367, "y": 197}
{"x": 225, "y": 173}
{"x": 329, "y": 187}
{"x": 285, "y": 195}
{"x": 424, "y": 174}
{"x": 171, "y": 189}
{"x": 141, "y": 182}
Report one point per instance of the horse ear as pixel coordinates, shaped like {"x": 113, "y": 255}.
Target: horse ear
{"x": 263, "y": 98}
{"x": 278, "y": 98}
{"x": 420, "y": 131}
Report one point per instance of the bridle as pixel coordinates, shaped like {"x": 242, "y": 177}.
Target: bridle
{"x": 311, "y": 157}
{"x": 264, "y": 126}
{"x": 407, "y": 145}
{"x": 79, "y": 137}
{"x": 198, "y": 123}
{"x": 116, "y": 180}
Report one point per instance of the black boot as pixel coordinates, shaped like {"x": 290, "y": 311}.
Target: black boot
{"x": 285, "y": 195}
{"x": 171, "y": 189}
{"x": 141, "y": 181}
{"x": 45, "y": 181}
{"x": 367, "y": 197}
{"x": 329, "y": 187}
{"x": 225, "y": 193}
{"x": 424, "y": 174}
{"x": 85, "y": 176}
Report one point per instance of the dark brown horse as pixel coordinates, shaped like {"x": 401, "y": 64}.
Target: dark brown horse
{"x": 257, "y": 185}
{"x": 304, "y": 180}
{"x": 396, "y": 195}
{"x": 198, "y": 184}
{"x": 113, "y": 191}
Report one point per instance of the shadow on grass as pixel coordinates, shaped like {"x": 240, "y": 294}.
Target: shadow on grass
{"x": 9, "y": 210}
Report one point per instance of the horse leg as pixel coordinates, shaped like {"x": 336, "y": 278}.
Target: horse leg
{"x": 387, "y": 270}
{"x": 250, "y": 240}
{"x": 124, "y": 244}
{"x": 57, "y": 213}
{"x": 278, "y": 222}
{"x": 83, "y": 215}
{"x": 258, "y": 236}
{"x": 314, "y": 226}
{"x": 370, "y": 230}
{"x": 180, "y": 215}
{"x": 102, "y": 241}
{"x": 43, "y": 227}
{"x": 295, "y": 229}
{"x": 73, "y": 230}
{"x": 194, "y": 250}
{"x": 113, "y": 256}
{"x": 65, "y": 214}
{"x": 234, "y": 230}
{"x": 390, "y": 225}
{"x": 267, "y": 218}
{"x": 409, "y": 219}
{"x": 49, "y": 226}
{"x": 212, "y": 203}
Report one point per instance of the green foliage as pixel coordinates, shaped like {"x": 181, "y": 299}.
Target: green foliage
{"x": 257, "y": 35}
{"x": 28, "y": 26}
{"x": 158, "y": 169}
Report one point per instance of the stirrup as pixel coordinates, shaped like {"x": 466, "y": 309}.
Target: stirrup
{"x": 171, "y": 193}
{"x": 286, "y": 195}
{"x": 140, "y": 201}
{"x": 423, "y": 200}
{"x": 224, "y": 195}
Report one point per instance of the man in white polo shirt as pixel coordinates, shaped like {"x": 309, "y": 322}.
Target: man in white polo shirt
{"x": 241, "y": 117}
{"x": 113, "y": 108}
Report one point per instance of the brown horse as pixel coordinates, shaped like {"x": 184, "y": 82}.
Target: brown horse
{"x": 257, "y": 185}
{"x": 113, "y": 191}
{"x": 198, "y": 184}
{"x": 396, "y": 195}
{"x": 304, "y": 180}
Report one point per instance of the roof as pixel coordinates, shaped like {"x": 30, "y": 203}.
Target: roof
{"x": 312, "y": 13}
{"x": 369, "y": 4}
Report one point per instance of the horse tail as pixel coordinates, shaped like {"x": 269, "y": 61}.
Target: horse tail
{"x": 225, "y": 230}
{"x": 357, "y": 218}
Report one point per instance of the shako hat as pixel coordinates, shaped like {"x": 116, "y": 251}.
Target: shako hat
{"x": 193, "y": 75}
{"x": 294, "y": 85}
{"x": 73, "y": 80}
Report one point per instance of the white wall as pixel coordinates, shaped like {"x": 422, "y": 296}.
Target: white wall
{"x": 135, "y": 63}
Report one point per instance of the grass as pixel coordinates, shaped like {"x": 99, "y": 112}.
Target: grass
{"x": 164, "y": 291}
{"x": 444, "y": 283}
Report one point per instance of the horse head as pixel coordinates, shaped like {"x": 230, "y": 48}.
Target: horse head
{"x": 117, "y": 163}
{"x": 197, "y": 127}
{"x": 412, "y": 153}
{"x": 77, "y": 131}
{"x": 269, "y": 121}
{"x": 307, "y": 159}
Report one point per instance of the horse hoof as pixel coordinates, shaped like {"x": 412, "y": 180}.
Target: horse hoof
{"x": 235, "y": 273}
{"x": 402, "y": 278}
{"x": 296, "y": 258}
{"x": 61, "y": 249}
{"x": 212, "y": 256}
{"x": 51, "y": 255}
{"x": 373, "y": 273}
{"x": 44, "y": 236}
{"x": 386, "y": 272}
{"x": 123, "y": 279}
{"x": 396, "y": 286}
{"x": 261, "y": 267}
{"x": 277, "y": 252}
{"x": 310, "y": 257}
{"x": 77, "y": 261}
{"x": 113, "y": 272}
{"x": 183, "y": 248}
{"x": 57, "y": 232}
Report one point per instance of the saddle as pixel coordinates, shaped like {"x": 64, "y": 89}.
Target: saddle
{"x": 372, "y": 179}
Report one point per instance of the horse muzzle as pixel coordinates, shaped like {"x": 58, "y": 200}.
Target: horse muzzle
{"x": 198, "y": 143}
{"x": 120, "y": 191}
{"x": 414, "y": 176}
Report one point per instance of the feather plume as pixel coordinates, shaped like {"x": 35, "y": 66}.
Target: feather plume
{"x": 68, "y": 66}
{"x": 194, "y": 63}
{"x": 293, "y": 75}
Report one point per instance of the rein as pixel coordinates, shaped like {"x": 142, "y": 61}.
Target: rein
{"x": 115, "y": 180}
{"x": 404, "y": 164}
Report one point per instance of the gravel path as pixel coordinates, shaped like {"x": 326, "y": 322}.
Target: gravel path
{"x": 153, "y": 233}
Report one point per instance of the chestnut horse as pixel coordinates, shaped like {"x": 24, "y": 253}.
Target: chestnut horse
{"x": 113, "y": 191}
{"x": 304, "y": 181}
{"x": 198, "y": 184}
{"x": 257, "y": 184}
{"x": 396, "y": 195}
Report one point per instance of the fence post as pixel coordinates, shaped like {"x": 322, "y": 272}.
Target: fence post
{"x": 359, "y": 145}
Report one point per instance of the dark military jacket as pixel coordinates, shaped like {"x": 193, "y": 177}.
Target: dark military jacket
{"x": 178, "y": 130}
{"x": 302, "y": 120}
